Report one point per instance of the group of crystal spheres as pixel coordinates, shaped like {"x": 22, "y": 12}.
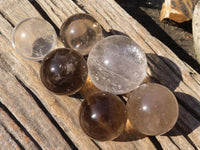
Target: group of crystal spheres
{"x": 116, "y": 65}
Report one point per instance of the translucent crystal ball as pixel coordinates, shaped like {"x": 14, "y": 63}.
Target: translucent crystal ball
{"x": 80, "y": 32}
{"x": 63, "y": 71}
{"x": 152, "y": 109}
{"x": 33, "y": 38}
{"x": 117, "y": 64}
{"x": 103, "y": 116}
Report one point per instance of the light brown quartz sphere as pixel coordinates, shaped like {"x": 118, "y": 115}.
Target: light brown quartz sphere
{"x": 152, "y": 109}
{"x": 80, "y": 32}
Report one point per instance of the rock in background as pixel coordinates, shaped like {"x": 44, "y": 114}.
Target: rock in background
{"x": 177, "y": 36}
{"x": 178, "y": 10}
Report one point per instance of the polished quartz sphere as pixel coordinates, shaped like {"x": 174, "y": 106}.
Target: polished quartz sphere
{"x": 117, "y": 64}
{"x": 33, "y": 38}
{"x": 80, "y": 32}
{"x": 152, "y": 109}
{"x": 103, "y": 116}
{"x": 64, "y": 71}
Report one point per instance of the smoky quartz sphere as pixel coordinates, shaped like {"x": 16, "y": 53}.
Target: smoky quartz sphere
{"x": 64, "y": 71}
{"x": 103, "y": 116}
{"x": 117, "y": 64}
{"x": 80, "y": 32}
{"x": 33, "y": 38}
{"x": 152, "y": 109}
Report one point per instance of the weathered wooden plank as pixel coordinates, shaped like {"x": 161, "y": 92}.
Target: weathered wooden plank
{"x": 191, "y": 127}
{"x": 179, "y": 136}
{"x": 9, "y": 8}
{"x": 180, "y": 141}
{"x": 10, "y": 126}
{"x": 166, "y": 143}
{"x": 22, "y": 104}
{"x": 118, "y": 19}
{"x": 68, "y": 117}
{"x": 165, "y": 76}
{"x": 6, "y": 141}
{"x": 168, "y": 69}
{"x": 58, "y": 105}
{"x": 111, "y": 16}
{"x": 28, "y": 71}
{"x": 26, "y": 110}
{"x": 59, "y": 10}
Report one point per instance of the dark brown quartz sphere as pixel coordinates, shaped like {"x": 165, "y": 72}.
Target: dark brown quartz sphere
{"x": 103, "y": 116}
{"x": 64, "y": 71}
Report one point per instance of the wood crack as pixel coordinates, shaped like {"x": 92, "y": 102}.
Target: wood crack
{"x": 156, "y": 143}
{"x": 7, "y": 19}
{"x": 189, "y": 109}
{"x": 96, "y": 145}
{"x": 20, "y": 125}
{"x": 64, "y": 135}
{"x": 174, "y": 143}
{"x": 186, "y": 136}
{"x": 80, "y": 6}
{"x": 44, "y": 15}
{"x": 14, "y": 139}
{"x": 54, "y": 10}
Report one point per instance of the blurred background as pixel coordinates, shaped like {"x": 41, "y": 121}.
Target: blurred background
{"x": 177, "y": 36}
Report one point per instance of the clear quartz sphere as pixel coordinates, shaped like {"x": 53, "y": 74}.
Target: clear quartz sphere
{"x": 152, "y": 109}
{"x": 33, "y": 38}
{"x": 117, "y": 64}
{"x": 80, "y": 32}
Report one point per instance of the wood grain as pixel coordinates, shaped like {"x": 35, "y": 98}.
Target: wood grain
{"x": 58, "y": 106}
{"x": 63, "y": 108}
{"x": 6, "y": 140}
{"x": 10, "y": 126}
{"x": 164, "y": 66}
{"x": 27, "y": 112}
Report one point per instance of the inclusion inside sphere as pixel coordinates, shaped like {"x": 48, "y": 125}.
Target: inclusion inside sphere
{"x": 152, "y": 109}
{"x": 80, "y": 32}
{"x": 103, "y": 116}
{"x": 117, "y": 64}
{"x": 33, "y": 38}
{"x": 64, "y": 71}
